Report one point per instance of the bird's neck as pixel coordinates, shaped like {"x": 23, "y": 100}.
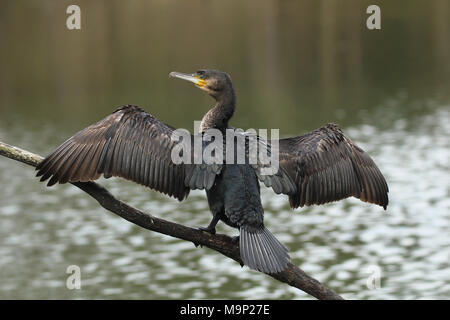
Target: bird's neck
{"x": 219, "y": 116}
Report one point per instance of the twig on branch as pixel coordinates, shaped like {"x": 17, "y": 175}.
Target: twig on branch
{"x": 292, "y": 275}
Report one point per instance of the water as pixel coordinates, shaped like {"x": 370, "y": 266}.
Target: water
{"x": 395, "y": 106}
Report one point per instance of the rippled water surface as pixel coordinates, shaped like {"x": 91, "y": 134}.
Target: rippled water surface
{"x": 388, "y": 91}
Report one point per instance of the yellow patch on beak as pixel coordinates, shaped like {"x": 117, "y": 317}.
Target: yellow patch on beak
{"x": 200, "y": 83}
{"x": 195, "y": 78}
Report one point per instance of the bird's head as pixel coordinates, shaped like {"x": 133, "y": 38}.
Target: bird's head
{"x": 216, "y": 83}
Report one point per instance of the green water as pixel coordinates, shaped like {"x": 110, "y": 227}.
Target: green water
{"x": 295, "y": 65}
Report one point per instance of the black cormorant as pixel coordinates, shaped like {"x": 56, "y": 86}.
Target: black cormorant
{"x": 315, "y": 168}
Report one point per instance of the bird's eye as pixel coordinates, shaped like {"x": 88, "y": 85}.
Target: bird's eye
{"x": 201, "y": 73}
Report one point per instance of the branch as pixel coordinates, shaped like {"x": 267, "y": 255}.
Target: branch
{"x": 221, "y": 243}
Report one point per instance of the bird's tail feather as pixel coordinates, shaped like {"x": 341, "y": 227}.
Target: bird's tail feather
{"x": 261, "y": 251}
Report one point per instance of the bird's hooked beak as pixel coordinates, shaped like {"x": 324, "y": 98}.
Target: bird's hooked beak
{"x": 195, "y": 78}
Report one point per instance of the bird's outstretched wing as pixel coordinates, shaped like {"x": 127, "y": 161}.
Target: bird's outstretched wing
{"x": 131, "y": 144}
{"x": 327, "y": 166}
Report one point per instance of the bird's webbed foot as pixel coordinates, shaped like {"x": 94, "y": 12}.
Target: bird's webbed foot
{"x": 208, "y": 229}
{"x": 211, "y": 228}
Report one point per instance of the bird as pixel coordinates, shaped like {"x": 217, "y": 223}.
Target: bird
{"x": 315, "y": 168}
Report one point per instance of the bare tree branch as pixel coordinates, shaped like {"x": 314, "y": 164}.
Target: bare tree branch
{"x": 292, "y": 275}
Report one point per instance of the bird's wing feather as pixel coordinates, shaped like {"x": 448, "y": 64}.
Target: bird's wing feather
{"x": 129, "y": 143}
{"x": 258, "y": 153}
{"x": 327, "y": 166}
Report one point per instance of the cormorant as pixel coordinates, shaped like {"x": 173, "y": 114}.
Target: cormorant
{"x": 315, "y": 168}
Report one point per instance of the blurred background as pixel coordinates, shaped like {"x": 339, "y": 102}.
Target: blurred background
{"x": 296, "y": 65}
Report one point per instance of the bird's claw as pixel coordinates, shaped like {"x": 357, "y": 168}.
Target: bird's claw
{"x": 208, "y": 229}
